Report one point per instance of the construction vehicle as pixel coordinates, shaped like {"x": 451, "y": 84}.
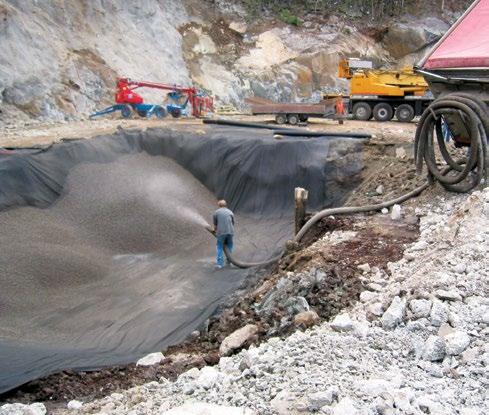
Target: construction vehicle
{"x": 381, "y": 94}
{"x": 295, "y": 113}
{"x": 129, "y": 102}
{"x": 452, "y": 134}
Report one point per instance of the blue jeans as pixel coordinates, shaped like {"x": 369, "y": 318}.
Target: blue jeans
{"x": 223, "y": 240}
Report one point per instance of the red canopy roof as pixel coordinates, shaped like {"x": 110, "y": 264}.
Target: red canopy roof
{"x": 466, "y": 44}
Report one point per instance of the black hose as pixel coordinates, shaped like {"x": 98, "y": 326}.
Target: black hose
{"x": 468, "y": 172}
{"x": 298, "y": 133}
{"x": 322, "y": 214}
{"x": 239, "y": 123}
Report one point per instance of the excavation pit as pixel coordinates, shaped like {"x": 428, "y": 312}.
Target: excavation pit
{"x": 104, "y": 257}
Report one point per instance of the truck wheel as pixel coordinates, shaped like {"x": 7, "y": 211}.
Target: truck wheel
{"x": 362, "y": 111}
{"x": 303, "y": 118}
{"x": 405, "y": 113}
{"x": 280, "y": 119}
{"x": 160, "y": 112}
{"x": 142, "y": 113}
{"x": 293, "y": 119}
{"x": 383, "y": 112}
{"x": 126, "y": 111}
{"x": 176, "y": 112}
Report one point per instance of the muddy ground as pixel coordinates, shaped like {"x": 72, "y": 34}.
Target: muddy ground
{"x": 378, "y": 240}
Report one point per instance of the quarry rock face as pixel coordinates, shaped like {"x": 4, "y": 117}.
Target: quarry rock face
{"x": 403, "y": 39}
{"x": 73, "y": 53}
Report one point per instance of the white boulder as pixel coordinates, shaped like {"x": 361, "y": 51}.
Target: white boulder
{"x": 457, "y": 342}
{"x": 237, "y": 339}
{"x": 342, "y": 322}
{"x": 434, "y": 349}
{"x": 150, "y": 359}
{"x": 74, "y": 404}
{"x": 394, "y": 314}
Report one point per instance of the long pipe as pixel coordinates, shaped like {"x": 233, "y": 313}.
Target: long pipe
{"x": 284, "y": 131}
{"x": 298, "y": 133}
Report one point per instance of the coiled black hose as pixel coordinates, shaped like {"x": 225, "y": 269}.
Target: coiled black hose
{"x": 465, "y": 173}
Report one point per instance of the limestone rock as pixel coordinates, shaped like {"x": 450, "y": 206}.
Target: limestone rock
{"x": 420, "y": 308}
{"x": 400, "y": 153}
{"x": 319, "y": 399}
{"x": 367, "y": 296}
{"x": 200, "y": 408}
{"x": 208, "y": 377}
{"x": 237, "y": 339}
{"x": 373, "y": 387}
{"x": 419, "y": 246}
{"x": 21, "y": 409}
{"x": 364, "y": 267}
{"x": 438, "y": 314}
{"x": 403, "y": 39}
{"x": 239, "y": 27}
{"x": 457, "y": 342}
{"x": 74, "y": 404}
{"x": 306, "y": 318}
{"x": 345, "y": 406}
{"x": 150, "y": 359}
{"x": 282, "y": 402}
{"x": 377, "y": 309}
{"x": 394, "y": 314}
{"x": 396, "y": 212}
{"x": 434, "y": 349}
{"x": 450, "y": 295}
{"x": 342, "y": 322}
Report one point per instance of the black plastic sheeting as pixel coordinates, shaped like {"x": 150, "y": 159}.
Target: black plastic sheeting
{"x": 104, "y": 258}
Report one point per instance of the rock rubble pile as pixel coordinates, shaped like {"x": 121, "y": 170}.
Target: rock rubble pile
{"x": 416, "y": 344}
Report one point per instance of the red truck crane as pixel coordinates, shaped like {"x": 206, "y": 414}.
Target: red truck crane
{"x": 128, "y": 101}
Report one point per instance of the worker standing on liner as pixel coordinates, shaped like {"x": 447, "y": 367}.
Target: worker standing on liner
{"x": 223, "y": 220}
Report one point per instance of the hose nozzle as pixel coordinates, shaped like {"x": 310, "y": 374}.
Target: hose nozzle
{"x": 210, "y": 230}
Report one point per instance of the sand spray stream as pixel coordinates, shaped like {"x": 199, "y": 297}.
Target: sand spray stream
{"x": 164, "y": 193}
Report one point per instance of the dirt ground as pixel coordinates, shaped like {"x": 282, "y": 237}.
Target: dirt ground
{"x": 378, "y": 240}
{"x": 42, "y": 134}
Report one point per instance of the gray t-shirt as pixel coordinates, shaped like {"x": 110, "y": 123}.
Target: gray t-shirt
{"x": 223, "y": 221}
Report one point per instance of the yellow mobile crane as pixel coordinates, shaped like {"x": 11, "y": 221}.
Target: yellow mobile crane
{"x": 382, "y": 93}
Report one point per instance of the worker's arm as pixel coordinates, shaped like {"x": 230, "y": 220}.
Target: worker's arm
{"x": 214, "y": 221}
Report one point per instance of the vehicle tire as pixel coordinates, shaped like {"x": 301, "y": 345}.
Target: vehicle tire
{"x": 142, "y": 113}
{"x": 383, "y": 112}
{"x": 405, "y": 113}
{"x": 280, "y": 119}
{"x": 362, "y": 111}
{"x": 303, "y": 118}
{"x": 176, "y": 112}
{"x": 126, "y": 111}
{"x": 160, "y": 112}
{"x": 293, "y": 119}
